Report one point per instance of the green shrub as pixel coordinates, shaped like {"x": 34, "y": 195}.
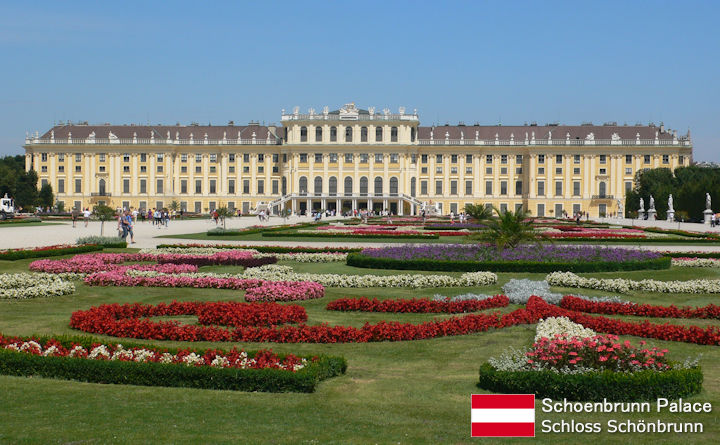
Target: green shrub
{"x": 23, "y": 254}
{"x": 32, "y": 219}
{"x": 594, "y": 386}
{"x": 360, "y": 260}
{"x": 172, "y": 375}
{"x": 692, "y": 255}
{"x": 105, "y": 241}
{"x": 343, "y": 235}
{"x": 271, "y": 249}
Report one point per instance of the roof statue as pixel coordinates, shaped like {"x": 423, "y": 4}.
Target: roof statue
{"x": 615, "y": 137}
{"x": 590, "y": 137}
{"x": 112, "y": 137}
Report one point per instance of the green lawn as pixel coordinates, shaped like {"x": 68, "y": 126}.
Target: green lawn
{"x": 393, "y": 392}
{"x": 29, "y": 224}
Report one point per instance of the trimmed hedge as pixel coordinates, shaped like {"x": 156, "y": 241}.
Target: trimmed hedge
{"x": 218, "y": 231}
{"x": 171, "y": 375}
{"x": 343, "y": 235}
{"x": 360, "y": 260}
{"x": 272, "y": 249}
{"x": 23, "y": 254}
{"x": 594, "y": 386}
{"x": 641, "y": 240}
{"x": 692, "y": 255}
{"x": 32, "y": 219}
{"x": 683, "y": 233}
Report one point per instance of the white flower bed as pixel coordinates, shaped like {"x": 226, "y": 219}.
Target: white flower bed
{"x": 696, "y": 262}
{"x": 26, "y": 285}
{"x": 273, "y": 272}
{"x": 552, "y": 326}
{"x": 301, "y": 257}
{"x": 569, "y": 279}
{"x": 519, "y": 291}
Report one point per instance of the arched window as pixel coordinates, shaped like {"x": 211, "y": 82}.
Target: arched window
{"x": 348, "y": 134}
{"x": 318, "y": 134}
{"x": 101, "y": 187}
{"x": 333, "y": 134}
{"x": 284, "y": 185}
{"x": 378, "y": 134}
{"x": 413, "y": 189}
{"x": 378, "y": 186}
{"x": 332, "y": 186}
{"x": 318, "y": 185}
{"x": 348, "y": 186}
{"x": 303, "y": 134}
{"x": 393, "y": 134}
{"x": 393, "y": 186}
{"x": 303, "y": 185}
{"x": 363, "y": 134}
{"x": 412, "y": 134}
{"x": 363, "y": 186}
{"x": 602, "y": 189}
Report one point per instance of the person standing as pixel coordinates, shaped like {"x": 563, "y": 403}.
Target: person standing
{"x": 86, "y": 216}
{"x": 129, "y": 223}
{"x": 75, "y": 214}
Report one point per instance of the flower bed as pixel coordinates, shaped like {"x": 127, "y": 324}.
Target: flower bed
{"x": 264, "y": 249}
{"x": 416, "y": 305}
{"x": 87, "y": 361}
{"x": 526, "y": 258}
{"x": 25, "y": 285}
{"x": 695, "y": 262}
{"x": 107, "y": 262}
{"x": 107, "y": 242}
{"x": 302, "y": 257}
{"x": 38, "y": 252}
{"x": 569, "y": 279}
{"x": 359, "y": 234}
{"x": 710, "y": 311}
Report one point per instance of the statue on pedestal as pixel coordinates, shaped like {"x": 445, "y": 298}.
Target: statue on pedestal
{"x": 708, "y": 201}
{"x": 642, "y": 205}
{"x": 652, "y": 203}
{"x": 670, "y": 203}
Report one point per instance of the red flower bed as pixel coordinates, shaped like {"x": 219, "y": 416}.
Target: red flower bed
{"x": 594, "y": 235}
{"x": 415, "y": 305}
{"x": 643, "y": 310}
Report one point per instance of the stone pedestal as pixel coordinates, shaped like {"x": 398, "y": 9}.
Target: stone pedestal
{"x": 641, "y": 214}
{"x": 707, "y": 214}
{"x": 671, "y": 215}
{"x": 651, "y": 213}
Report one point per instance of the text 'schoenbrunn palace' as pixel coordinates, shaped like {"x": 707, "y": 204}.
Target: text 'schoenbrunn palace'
{"x": 352, "y": 159}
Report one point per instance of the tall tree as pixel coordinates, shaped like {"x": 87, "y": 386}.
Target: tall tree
{"x": 26, "y": 193}
{"x": 46, "y": 198}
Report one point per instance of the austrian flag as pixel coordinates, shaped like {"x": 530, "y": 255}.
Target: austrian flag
{"x": 503, "y": 415}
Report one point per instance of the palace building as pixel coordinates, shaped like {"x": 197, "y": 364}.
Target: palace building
{"x": 352, "y": 158}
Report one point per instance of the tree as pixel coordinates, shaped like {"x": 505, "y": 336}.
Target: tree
{"x": 46, "y": 197}
{"x": 478, "y": 212}
{"x": 103, "y": 213}
{"x": 509, "y": 229}
{"x": 223, "y": 212}
{"x": 60, "y": 205}
{"x": 26, "y": 194}
{"x": 174, "y": 206}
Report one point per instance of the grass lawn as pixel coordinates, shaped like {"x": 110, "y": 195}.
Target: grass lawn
{"x": 393, "y": 392}
{"x": 28, "y": 224}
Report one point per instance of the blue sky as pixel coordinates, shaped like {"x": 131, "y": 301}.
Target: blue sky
{"x": 479, "y": 61}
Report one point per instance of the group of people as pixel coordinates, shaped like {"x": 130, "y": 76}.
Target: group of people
{"x": 462, "y": 217}
{"x": 125, "y": 225}
{"x": 159, "y": 217}
{"x": 76, "y": 214}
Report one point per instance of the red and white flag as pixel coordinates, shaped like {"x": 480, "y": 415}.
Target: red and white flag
{"x": 503, "y": 415}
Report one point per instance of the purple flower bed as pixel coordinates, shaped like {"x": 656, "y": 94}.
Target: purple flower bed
{"x": 458, "y": 226}
{"x": 484, "y": 252}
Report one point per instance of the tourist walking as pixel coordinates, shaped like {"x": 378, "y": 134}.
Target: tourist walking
{"x": 86, "y": 216}
{"x": 75, "y": 214}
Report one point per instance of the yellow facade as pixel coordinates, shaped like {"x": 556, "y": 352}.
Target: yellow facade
{"x": 352, "y": 159}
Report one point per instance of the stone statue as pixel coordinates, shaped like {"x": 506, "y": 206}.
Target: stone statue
{"x": 708, "y": 201}
{"x": 670, "y": 203}
{"x": 652, "y": 203}
{"x": 642, "y": 205}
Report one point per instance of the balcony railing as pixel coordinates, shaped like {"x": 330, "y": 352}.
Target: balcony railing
{"x": 603, "y": 197}
{"x": 522, "y": 142}
{"x": 100, "y": 194}
{"x": 148, "y": 141}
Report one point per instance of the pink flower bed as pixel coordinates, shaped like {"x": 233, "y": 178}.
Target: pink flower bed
{"x": 285, "y": 291}
{"x": 105, "y": 262}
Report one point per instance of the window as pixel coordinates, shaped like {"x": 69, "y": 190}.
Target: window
{"x": 61, "y": 186}
{"x": 438, "y": 170}
{"x": 246, "y": 185}
{"x": 303, "y": 134}
{"x": 453, "y": 159}
{"x": 438, "y": 187}
{"x": 159, "y": 168}
{"x": 559, "y": 159}
{"x": 348, "y": 185}
{"x": 394, "y": 158}
{"x": 261, "y": 157}
{"x": 61, "y": 168}
{"x": 318, "y": 185}
{"x": 78, "y": 186}
{"x": 518, "y": 170}
{"x": 468, "y": 159}
{"x": 160, "y": 157}
{"x": 126, "y": 186}
{"x": 558, "y": 188}
{"x": 261, "y": 187}
{"x": 423, "y": 159}
{"x": 159, "y": 186}
{"x": 628, "y": 186}
{"x": 666, "y": 159}
{"x": 628, "y": 170}
{"x": 318, "y": 134}
{"x": 503, "y": 170}
{"x": 231, "y": 186}
{"x": 628, "y": 159}
{"x": 333, "y": 158}
{"x": 275, "y": 187}
{"x": 603, "y": 159}
{"x": 378, "y": 158}
{"x": 503, "y": 159}
{"x": 453, "y": 170}
{"x": 488, "y": 170}
{"x": 143, "y": 186}
{"x": 541, "y": 159}
{"x": 601, "y": 189}
{"x": 518, "y": 188}
{"x": 102, "y": 157}
{"x": 393, "y": 186}
{"x": 394, "y": 134}
{"x": 558, "y": 170}
{"x": 78, "y": 157}
{"x": 332, "y": 186}
{"x": 61, "y": 157}
{"x": 378, "y": 185}
{"x": 348, "y": 158}
{"x": 364, "y": 158}
{"x": 198, "y": 186}
{"x": 469, "y": 188}
{"x": 576, "y": 188}
{"x": 198, "y": 157}
{"x": 284, "y": 157}
{"x": 488, "y": 159}
{"x": 43, "y": 168}
{"x": 541, "y": 188}
{"x": 348, "y": 134}
{"x": 363, "y": 186}
{"x": 603, "y": 171}
{"x": 503, "y": 187}
{"x": 518, "y": 159}
{"x": 488, "y": 187}
{"x": 453, "y": 187}
{"x": 213, "y": 157}
{"x": 126, "y": 157}
{"x": 333, "y": 134}
{"x": 646, "y": 159}
{"x": 363, "y": 134}
{"x": 576, "y": 171}
{"x": 378, "y": 134}
{"x": 423, "y": 187}
{"x": 576, "y": 159}
{"x": 246, "y": 157}
{"x": 261, "y": 169}
{"x": 318, "y": 157}
{"x": 231, "y": 169}
{"x": 303, "y": 157}
{"x": 126, "y": 168}
{"x": 681, "y": 159}
{"x": 438, "y": 159}
{"x": 231, "y": 157}
{"x": 183, "y": 186}
{"x": 412, "y": 134}
{"x": 468, "y": 170}
{"x": 198, "y": 169}
{"x": 541, "y": 170}
{"x": 541, "y": 210}
{"x": 424, "y": 170}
